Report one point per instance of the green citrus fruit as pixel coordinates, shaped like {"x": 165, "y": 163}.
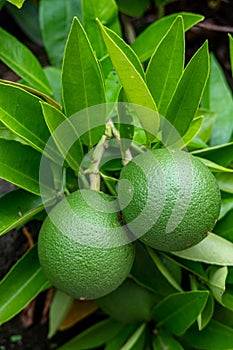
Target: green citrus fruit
{"x": 169, "y": 199}
{"x": 83, "y": 249}
{"x": 129, "y": 303}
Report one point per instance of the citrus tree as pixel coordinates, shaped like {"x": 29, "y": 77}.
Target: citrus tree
{"x": 124, "y": 153}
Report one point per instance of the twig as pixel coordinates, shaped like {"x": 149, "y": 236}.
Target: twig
{"x": 215, "y": 27}
{"x": 28, "y": 236}
{"x": 128, "y": 29}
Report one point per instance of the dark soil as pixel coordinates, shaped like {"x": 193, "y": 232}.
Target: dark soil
{"x": 28, "y": 330}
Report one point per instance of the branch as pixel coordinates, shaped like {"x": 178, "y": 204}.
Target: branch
{"x": 215, "y": 27}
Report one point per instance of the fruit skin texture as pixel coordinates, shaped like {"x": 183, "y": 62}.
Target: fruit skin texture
{"x": 82, "y": 257}
{"x": 129, "y": 303}
{"x": 175, "y": 199}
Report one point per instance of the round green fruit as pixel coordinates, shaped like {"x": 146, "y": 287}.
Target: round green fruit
{"x": 83, "y": 249}
{"x": 129, "y": 303}
{"x": 169, "y": 199}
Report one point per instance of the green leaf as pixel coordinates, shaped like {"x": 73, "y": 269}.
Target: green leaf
{"x": 148, "y": 40}
{"x": 133, "y": 83}
{"x": 163, "y": 269}
{"x": 126, "y": 50}
{"x": 2, "y": 3}
{"x": 107, "y": 12}
{"x": 94, "y": 336}
{"x": 137, "y": 10}
{"x": 226, "y": 206}
{"x": 60, "y": 306}
{"x": 222, "y": 154}
{"x": 214, "y": 336}
{"x": 206, "y": 315}
{"x": 131, "y": 342}
{"x": 119, "y": 340}
{"x": 63, "y": 134}
{"x": 186, "y": 99}
{"x": 82, "y": 81}
{"x": 21, "y": 285}
{"x": 146, "y": 273}
{"x": 23, "y": 62}
{"x": 17, "y": 208}
{"x": 224, "y": 226}
{"x": 19, "y": 164}
{"x": 55, "y": 24}
{"x": 215, "y": 167}
{"x": 208, "y": 123}
{"x": 7, "y": 134}
{"x": 164, "y": 340}
{"x": 18, "y": 3}
{"x": 166, "y": 66}
{"x": 195, "y": 267}
{"x": 53, "y": 75}
{"x": 21, "y": 112}
{"x": 24, "y": 86}
{"x": 113, "y": 86}
{"x": 178, "y": 311}
{"x": 192, "y": 131}
{"x": 217, "y": 285}
{"x": 218, "y": 98}
{"x": 231, "y": 51}
{"x": 212, "y": 250}
{"x": 28, "y": 20}
{"x": 225, "y": 182}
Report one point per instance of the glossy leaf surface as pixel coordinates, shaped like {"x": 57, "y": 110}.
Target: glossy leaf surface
{"x": 107, "y": 12}
{"x": 133, "y": 83}
{"x": 186, "y": 99}
{"x": 21, "y": 112}
{"x": 146, "y": 42}
{"x": 166, "y": 66}
{"x": 22, "y": 283}
{"x": 63, "y": 134}
{"x": 212, "y": 250}
{"x": 172, "y": 311}
{"x": 82, "y": 81}
{"x": 18, "y": 57}
{"x": 19, "y": 164}
{"x": 17, "y": 208}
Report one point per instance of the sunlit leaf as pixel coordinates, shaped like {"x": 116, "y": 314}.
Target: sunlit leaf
{"x": 19, "y": 58}
{"x": 148, "y": 40}
{"x": 166, "y": 66}
{"x": 186, "y": 99}
{"x": 82, "y": 81}
{"x": 212, "y": 250}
